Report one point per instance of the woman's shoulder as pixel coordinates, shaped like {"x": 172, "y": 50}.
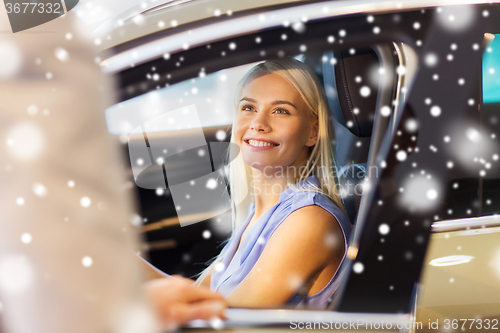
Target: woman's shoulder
{"x": 318, "y": 205}
{"x": 309, "y": 193}
{"x": 313, "y": 230}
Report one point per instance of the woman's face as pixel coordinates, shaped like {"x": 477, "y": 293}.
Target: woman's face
{"x": 273, "y": 127}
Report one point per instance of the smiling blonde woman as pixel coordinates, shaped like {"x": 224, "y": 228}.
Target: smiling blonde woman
{"x": 290, "y": 235}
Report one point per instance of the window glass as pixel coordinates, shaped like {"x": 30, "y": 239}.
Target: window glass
{"x": 179, "y": 131}
{"x": 212, "y": 96}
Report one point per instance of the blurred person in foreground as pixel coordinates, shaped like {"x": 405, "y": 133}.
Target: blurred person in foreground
{"x": 67, "y": 224}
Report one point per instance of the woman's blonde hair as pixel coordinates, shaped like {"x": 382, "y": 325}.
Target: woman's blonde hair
{"x": 321, "y": 160}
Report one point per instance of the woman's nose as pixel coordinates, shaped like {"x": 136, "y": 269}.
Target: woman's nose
{"x": 260, "y": 123}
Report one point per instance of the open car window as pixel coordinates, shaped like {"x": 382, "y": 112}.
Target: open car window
{"x": 426, "y": 108}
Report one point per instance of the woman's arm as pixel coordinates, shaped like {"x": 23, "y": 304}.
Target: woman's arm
{"x": 304, "y": 244}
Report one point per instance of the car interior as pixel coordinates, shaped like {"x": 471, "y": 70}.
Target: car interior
{"x": 382, "y": 135}
{"x": 185, "y": 247}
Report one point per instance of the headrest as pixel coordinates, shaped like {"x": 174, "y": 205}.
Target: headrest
{"x": 356, "y": 78}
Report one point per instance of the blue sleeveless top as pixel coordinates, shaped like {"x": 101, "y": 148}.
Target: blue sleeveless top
{"x": 236, "y": 264}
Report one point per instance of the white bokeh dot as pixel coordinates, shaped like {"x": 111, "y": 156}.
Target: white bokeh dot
{"x": 206, "y": 234}
{"x": 26, "y": 238}
{"x": 384, "y": 229}
{"x": 401, "y": 155}
{"x": 28, "y": 141}
{"x": 411, "y": 125}
{"x": 216, "y": 323}
{"x": 85, "y": 202}
{"x": 220, "y": 135}
{"x": 431, "y": 59}
{"x": 71, "y": 183}
{"x": 40, "y": 190}
{"x": 61, "y": 54}
{"x": 358, "y": 268}
{"x": 211, "y": 184}
{"x": 219, "y": 267}
{"x": 20, "y": 201}
{"x": 435, "y": 111}
{"x": 431, "y": 194}
{"x": 87, "y": 261}
{"x": 32, "y": 110}
{"x": 365, "y": 91}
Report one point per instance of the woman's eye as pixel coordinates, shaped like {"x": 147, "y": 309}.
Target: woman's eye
{"x": 282, "y": 111}
{"x": 247, "y": 108}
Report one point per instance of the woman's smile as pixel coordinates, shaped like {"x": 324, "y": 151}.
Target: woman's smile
{"x": 260, "y": 144}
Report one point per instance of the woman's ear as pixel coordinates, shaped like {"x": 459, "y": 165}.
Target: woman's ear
{"x": 313, "y": 139}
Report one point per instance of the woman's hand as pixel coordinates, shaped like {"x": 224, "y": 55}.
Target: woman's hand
{"x": 176, "y": 301}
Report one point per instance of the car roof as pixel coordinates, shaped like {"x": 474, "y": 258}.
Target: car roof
{"x": 143, "y": 19}
{"x": 144, "y": 32}
{"x": 153, "y": 16}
